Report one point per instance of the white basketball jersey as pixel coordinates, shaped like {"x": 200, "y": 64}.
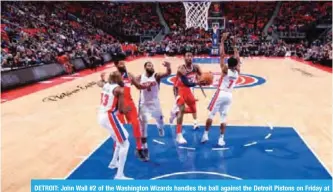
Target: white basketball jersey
{"x": 149, "y": 95}
{"x": 108, "y": 100}
{"x": 229, "y": 81}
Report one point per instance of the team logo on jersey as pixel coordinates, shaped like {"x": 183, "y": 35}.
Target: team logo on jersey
{"x": 244, "y": 80}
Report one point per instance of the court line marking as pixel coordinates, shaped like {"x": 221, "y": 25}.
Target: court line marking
{"x": 197, "y": 172}
{"x": 269, "y": 150}
{"x": 250, "y": 144}
{"x": 268, "y": 135}
{"x": 189, "y": 148}
{"x": 81, "y": 156}
{"x": 86, "y": 157}
{"x": 270, "y": 126}
{"x": 159, "y": 142}
{"x": 220, "y": 149}
{"x": 313, "y": 151}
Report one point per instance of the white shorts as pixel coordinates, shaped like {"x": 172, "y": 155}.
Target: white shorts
{"x": 220, "y": 103}
{"x": 151, "y": 110}
{"x": 111, "y": 122}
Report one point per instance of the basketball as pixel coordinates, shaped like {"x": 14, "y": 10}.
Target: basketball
{"x": 207, "y": 77}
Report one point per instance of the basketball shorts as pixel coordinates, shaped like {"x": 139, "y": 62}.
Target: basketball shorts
{"x": 111, "y": 122}
{"x": 132, "y": 118}
{"x": 220, "y": 103}
{"x": 150, "y": 110}
{"x": 189, "y": 100}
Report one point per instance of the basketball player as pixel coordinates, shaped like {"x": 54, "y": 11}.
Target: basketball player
{"x": 221, "y": 101}
{"x": 193, "y": 72}
{"x": 132, "y": 117}
{"x": 185, "y": 96}
{"x": 112, "y": 102}
{"x": 149, "y": 103}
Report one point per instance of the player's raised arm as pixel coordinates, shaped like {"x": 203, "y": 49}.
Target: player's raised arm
{"x": 159, "y": 76}
{"x": 222, "y": 51}
{"x": 102, "y": 81}
{"x": 236, "y": 55}
{"x": 136, "y": 82}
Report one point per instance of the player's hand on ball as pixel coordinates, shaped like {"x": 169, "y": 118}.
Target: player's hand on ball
{"x": 166, "y": 64}
{"x": 203, "y": 82}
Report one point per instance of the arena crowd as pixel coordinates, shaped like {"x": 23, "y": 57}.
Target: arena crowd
{"x": 36, "y": 33}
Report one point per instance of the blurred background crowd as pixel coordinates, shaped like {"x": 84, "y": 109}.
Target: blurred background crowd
{"x": 36, "y": 33}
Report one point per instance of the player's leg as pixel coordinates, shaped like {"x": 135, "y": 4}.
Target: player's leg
{"x": 120, "y": 135}
{"x": 174, "y": 111}
{"x": 144, "y": 125}
{"x": 181, "y": 104}
{"x": 213, "y": 108}
{"x": 223, "y": 117}
{"x": 133, "y": 118}
{"x": 158, "y": 116}
{"x": 191, "y": 108}
{"x": 114, "y": 163}
{"x": 195, "y": 121}
{"x": 194, "y": 115}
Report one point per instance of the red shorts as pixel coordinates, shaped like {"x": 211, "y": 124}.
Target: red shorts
{"x": 188, "y": 99}
{"x": 132, "y": 118}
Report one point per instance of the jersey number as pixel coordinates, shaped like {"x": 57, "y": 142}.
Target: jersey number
{"x": 104, "y": 99}
{"x": 230, "y": 84}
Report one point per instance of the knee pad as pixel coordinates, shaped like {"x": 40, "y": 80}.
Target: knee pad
{"x": 223, "y": 118}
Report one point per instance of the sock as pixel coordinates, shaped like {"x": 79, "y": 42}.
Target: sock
{"x": 222, "y": 136}
{"x": 122, "y": 158}
{"x": 114, "y": 160}
{"x": 144, "y": 143}
{"x": 195, "y": 122}
{"x": 179, "y": 128}
{"x": 206, "y": 132}
{"x": 138, "y": 143}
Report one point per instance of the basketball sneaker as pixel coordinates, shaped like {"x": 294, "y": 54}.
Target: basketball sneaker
{"x": 221, "y": 142}
{"x": 141, "y": 156}
{"x": 122, "y": 177}
{"x": 195, "y": 126}
{"x": 180, "y": 139}
{"x": 204, "y": 137}
{"x": 146, "y": 153}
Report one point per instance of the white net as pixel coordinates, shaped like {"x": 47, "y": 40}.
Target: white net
{"x": 197, "y": 14}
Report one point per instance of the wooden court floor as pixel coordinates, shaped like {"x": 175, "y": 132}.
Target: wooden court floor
{"x": 48, "y": 139}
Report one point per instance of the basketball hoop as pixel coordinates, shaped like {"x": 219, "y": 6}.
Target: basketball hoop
{"x": 197, "y": 14}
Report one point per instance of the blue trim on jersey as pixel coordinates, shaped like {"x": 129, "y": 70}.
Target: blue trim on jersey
{"x": 213, "y": 98}
{"x": 118, "y": 125}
